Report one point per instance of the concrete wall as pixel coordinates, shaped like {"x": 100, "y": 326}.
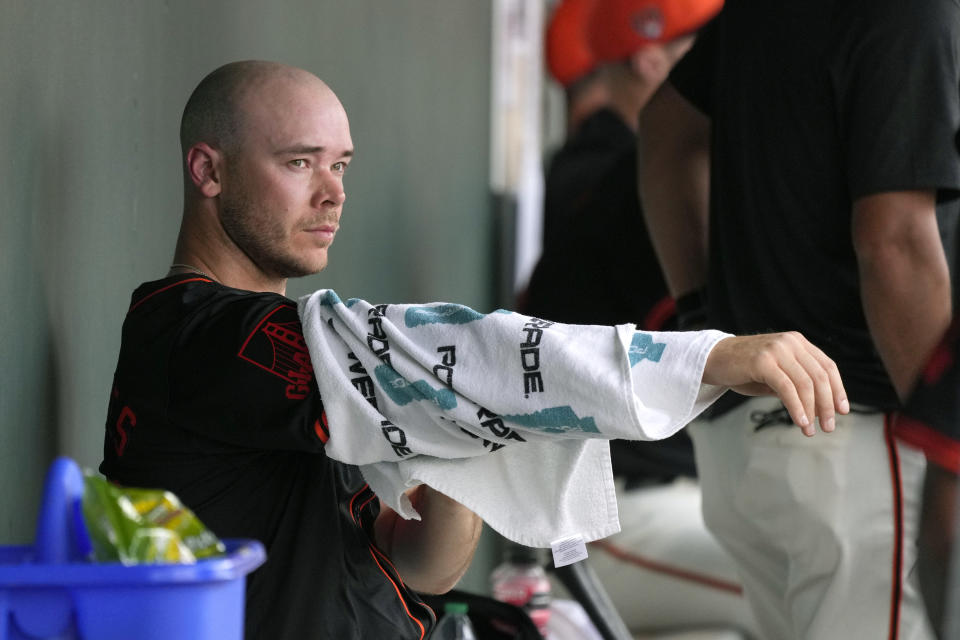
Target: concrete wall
{"x": 90, "y": 99}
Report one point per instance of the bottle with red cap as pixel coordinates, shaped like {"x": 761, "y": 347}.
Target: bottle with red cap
{"x": 521, "y": 581}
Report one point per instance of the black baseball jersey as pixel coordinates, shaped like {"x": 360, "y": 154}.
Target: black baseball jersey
{"x": 814, "y": 105}
{"x": 931, "y": 418}
{"x": 214, "y": 399}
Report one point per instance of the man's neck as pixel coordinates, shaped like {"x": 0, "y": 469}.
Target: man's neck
{"x": 212, "y": 254}
{"x": 235, "y": 276}
{"x": 203, "y": 246}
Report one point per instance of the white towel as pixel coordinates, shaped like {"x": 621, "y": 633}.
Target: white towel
{"x": 507, "y": 414}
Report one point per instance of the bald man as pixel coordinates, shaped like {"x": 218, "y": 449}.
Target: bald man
{"x": 214, "y": 396}
{"x": 201, "y": 407}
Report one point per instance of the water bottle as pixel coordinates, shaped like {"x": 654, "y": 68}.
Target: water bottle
{"x": 522, "y": 582}
{"x": 454, "y": 625}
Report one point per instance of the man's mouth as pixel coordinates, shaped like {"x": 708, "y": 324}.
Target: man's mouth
{"x": 327, "y": 231}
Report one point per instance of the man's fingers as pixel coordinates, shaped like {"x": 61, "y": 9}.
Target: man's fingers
{"x": 803, "y": 389}
{"x": 807, "y": 382}
{"x": 788, "y": 378}
{"x": 785, "y": 388}
{"x": 801, "y": 375}
{"x": 840, "y": 401}
{"x": 831, "y": 397}
{"x": 824, "y": 395}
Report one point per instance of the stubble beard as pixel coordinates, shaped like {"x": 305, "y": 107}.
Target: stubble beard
{"x": 261, "y": 242}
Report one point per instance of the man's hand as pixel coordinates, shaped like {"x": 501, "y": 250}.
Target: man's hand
{"x": 782, "y": 364}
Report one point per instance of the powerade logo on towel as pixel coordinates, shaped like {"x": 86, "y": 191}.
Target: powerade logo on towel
{"x": 642, "y": 347}
{"x": 530, "y": 355}
{"x": 377, "y": 337}
{"x": 362, "y": 383}
{"x": 396, "y": 437}
{"x": 448, "y": 359}
{"x": 494, "y": 423}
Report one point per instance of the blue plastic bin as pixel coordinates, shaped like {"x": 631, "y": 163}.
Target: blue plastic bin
{"x": 47, "y": 593}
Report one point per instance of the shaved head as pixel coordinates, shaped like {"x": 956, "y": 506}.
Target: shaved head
{"x": 215, "y": 111}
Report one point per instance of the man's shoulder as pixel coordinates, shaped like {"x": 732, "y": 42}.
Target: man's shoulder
{"x": 198, "y": 312}
{"x": 183, "y": 294}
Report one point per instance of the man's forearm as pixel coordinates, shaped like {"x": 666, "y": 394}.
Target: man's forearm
{"x": 904, "y": 280}
{"x": 431, "y": 554}
{"x": 674, "y": 182}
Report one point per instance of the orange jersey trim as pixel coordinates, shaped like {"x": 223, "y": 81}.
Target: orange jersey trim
{"x": 321, "y": 428}
{"x": 423, "y": 631}
{"x": 374, "y": 552}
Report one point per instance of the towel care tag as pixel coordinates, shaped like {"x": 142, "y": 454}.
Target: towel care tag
{"x": 568, "y": 550}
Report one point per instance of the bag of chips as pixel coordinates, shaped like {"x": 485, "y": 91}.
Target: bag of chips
{"x": 139, "y": 526}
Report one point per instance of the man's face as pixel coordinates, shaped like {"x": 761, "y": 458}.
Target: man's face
{"x": 282, "y": 188}
{"x": 659, "y": 58}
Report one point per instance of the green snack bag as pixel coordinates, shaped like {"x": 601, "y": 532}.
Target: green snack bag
{"x": 138, "y": 526}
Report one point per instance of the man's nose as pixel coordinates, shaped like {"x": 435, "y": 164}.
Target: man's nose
{"x": 329, "y": 190}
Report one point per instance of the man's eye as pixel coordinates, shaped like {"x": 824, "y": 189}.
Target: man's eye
{"x": 339, "y": 167}
{"x": 299, "y": 163}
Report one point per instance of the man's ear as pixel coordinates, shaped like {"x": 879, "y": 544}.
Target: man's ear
{"x": 203, "y": 168}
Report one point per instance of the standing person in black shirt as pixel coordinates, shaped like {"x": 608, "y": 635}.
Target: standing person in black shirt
{"x": 214, "y": 395}
{"x": 829, "y": 134}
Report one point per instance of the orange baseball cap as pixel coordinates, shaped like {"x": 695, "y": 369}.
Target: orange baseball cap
{"x": 568, "y": 52}
{"x": 617, "y": 28}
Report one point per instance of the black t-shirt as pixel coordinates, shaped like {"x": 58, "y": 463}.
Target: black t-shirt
{"x": 597, "y": 264}
{"x": 931, "y": 417}
{"x": 214, "y": 399}
{"x": 813, "y": 105}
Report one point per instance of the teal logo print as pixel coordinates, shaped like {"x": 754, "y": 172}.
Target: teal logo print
{"x": 329, "y": 299}
{"x": 644, "y": 348}
{"x": 440, "y": 314}
{"x": 555, "y": 420}
{"x": 403, "y": 392}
